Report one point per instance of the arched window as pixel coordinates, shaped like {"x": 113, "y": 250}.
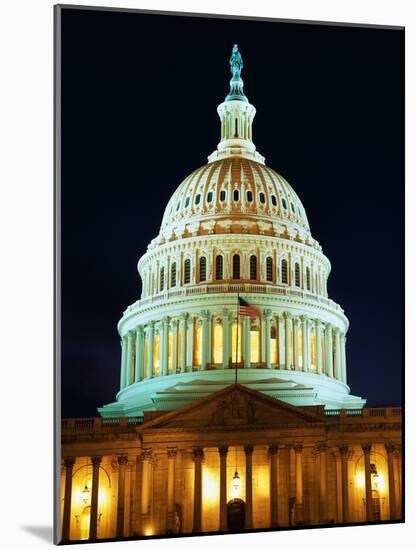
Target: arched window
{"x": 197, "y": 199}
{"x": 252, "y": 268}
{"x": 209, "y": 196}
{"x": 219, "y": 267}
{"x": 274, "y": 200}
{"x": 236, "y": 266}
{"x": 308, "y": 278}
{"x": 161, "y": 279}
{"x": 222, "y": 195}
{"x": 236, "y": 195}
{"x": 284, "y": 203}
{"x": 202, "y": 269}
{"x": 187, "y": 271}
{"x": 173, "y": 274}
{"x": 269, "y": 268}
{"x": 249, "y": 196}
{"x": 297, "y": 274}
{"x": 262, "y": 198}
{"x": 236, "y": 127}
{"x": 177, "y": 206}
{"x": 284, "y": 271}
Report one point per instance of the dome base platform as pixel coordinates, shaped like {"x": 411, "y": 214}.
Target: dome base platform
{"x": 176, "y": 390}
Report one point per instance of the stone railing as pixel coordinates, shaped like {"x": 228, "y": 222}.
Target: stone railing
{"x": 386, "y": 412}
{"x": 213, "y": 288}
{"x": 98, "y": 423}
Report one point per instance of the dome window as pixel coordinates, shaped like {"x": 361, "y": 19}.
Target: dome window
{"x": 297, "y": 275}
{"x": 284, "y": 203}
{"x": 292, "y": 208}
{"x": 253, "y": 268}
{"x": 202, "y": 269}
{"x": 284, "y": 272}
{"x": 186, "y": 204}
{"x": 308, "y": 278}
{"x": 269, "y": 269}
{"x": 236, "y": 195}
{"x": 186, "y": 271}
{"x": 249, "y": 196}
{"x": 173, "y": 274}
{"x": 210, "y": 196}
{"x": 219, "y": 267}
{"x": 274, "y": 200}
{"x": 222, "y": 195}
{"x": 262, "y": 198}
{"x": 197, "y": 199}
{"x": 161, "y": 279}
{"x": 178, "y": 206}
{"x": 236, "y": 266}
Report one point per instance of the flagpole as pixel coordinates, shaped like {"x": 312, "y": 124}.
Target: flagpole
{"x": 237, "y": 334}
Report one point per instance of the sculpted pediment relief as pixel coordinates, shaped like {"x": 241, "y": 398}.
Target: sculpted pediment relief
{"x": 235, "y": 406}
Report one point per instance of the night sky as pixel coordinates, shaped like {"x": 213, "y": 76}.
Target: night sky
{"x": 139, "y": 98}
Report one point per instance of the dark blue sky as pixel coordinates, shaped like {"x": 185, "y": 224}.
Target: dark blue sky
{"x": 139, "y": 98}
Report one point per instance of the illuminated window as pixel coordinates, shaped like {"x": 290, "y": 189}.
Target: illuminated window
{"x": 156, "y": 354}
{"x": 146, "y": 356}
{"x": 209, "y": 196}
{"x": 313, "y": 352}
{"x": 308, "y": 278}
{"x": 297, "y": 274}
{"x": 236, "y": 266}
{"x": 236, "y": 195}
{"x": 179, "y": 348}
{"x": 170, "y": 351}
{"x": 253, "y": 268}
{"x": 274, "y": 200}
{"x": 300, "y": 349}
{"x": 217, "y": 343}
{"x": 234, "y": 342}
{"x": 262, "y": 198}
{"x": 249, "y": 196}
{"x": 197, "y": 350}
{"x": 202, "y": 269}
{"x": 269, "y": 268}
{"x": 197, "y": 199}
{"x": 173, "y": 274}
{"x": 222, "y": 195}
{"x": 186, "y": 271}
{"x": 219, "y": 267}
{"x": 284, "y": 271}
{"x": 161, "y": 279}
{"x": 254, "y": 341}
{"x": 273, "y": 345}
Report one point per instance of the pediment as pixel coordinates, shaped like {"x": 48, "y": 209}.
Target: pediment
{"x": 234, "y": 406}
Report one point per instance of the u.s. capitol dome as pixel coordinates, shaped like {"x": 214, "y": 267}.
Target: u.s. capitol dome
{"x": 233, "y": 227}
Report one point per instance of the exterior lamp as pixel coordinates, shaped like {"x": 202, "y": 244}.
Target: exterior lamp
{"x": 236, "y": 485}
{"x": 85, "y": 494}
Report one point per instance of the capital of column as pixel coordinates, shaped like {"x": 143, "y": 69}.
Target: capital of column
{"x": 249, "y": 450}
{"x": 174, "y": 323}
{"x": 287, "y": 315}
{"x": 198, "y": 453}
{"x": 344, "y": 449}
{"x": 96, "y": 460}
{"x": 171, "y": 452}
{"x": 321, "y": 447}
{"x": 183, "y": 316}
{"x": 272, "y": 449}
{"x": 367, "y": 447}
{"x": 122, "y": 460}
{"x": 139, "y": 329}
{"x": 69, "y": 462}
{"x": 146, "y": 454}
{"x": 223, "y": 451}
{"x": 165, "y": 321}
{"x": 130, "y": 334}
{"x": 267, "y": 313}
{"x": 298, "y": 447}
{"x": 390, "y": 448}
{"x": 304, "y": 319}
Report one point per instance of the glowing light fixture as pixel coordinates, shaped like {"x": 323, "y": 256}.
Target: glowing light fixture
{"x": 236, "y": 485}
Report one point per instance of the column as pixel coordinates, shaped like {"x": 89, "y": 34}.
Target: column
{"x": 298, "y": 483}
{"x": 175, "y": 327}
{"x": 329, "y": 350}
{"x": 223, "y": 452}
{"x": 273, "y": 484}
{"x": 343, "y": 357}
{"x": 139, "y": 351}
{"x": 368, "y": 481}
{"x": 93, "y": 525}
{"x": 129, "y": 363}
{"x": 337, "y": 355}
{"x": 123, "y": 361}
{"x": 390, "y": 449}
{"x": 165, "y": 347}
{"x": 288, "y": 327}
{"x": 322, "y": 482}
{"x": 66, "y": 521}
{"x": 146, "y": 455}
{"x": 204, "y": 343}
{"x": 398, "y": 471}
{"x": 318, "y": 347}
{"x": 344, "y": 451}
{"x": 171, "y": 457}
{"x": 249, "y": 450}
{"x": 190, "y": 339}
{"x": 267, "y": 337}
{"x": 246, "y": 342}
{"x": 183, "y": 342}
{"x": 209, "y": 340}
{"x": 122, "y": 464}
{"x": 306, "y": 345}
{"x": 296, "y": 360}
{"x": 197, "y": 496}
{"x": 150, "y": 350}
{"x": 281, "y": 356}
{"x": 226, "y": 339}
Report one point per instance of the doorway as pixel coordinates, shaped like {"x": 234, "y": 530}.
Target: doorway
{"x": 236, "y": 515}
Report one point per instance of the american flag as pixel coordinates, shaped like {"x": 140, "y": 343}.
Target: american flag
{"x": 247, "y": 309}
